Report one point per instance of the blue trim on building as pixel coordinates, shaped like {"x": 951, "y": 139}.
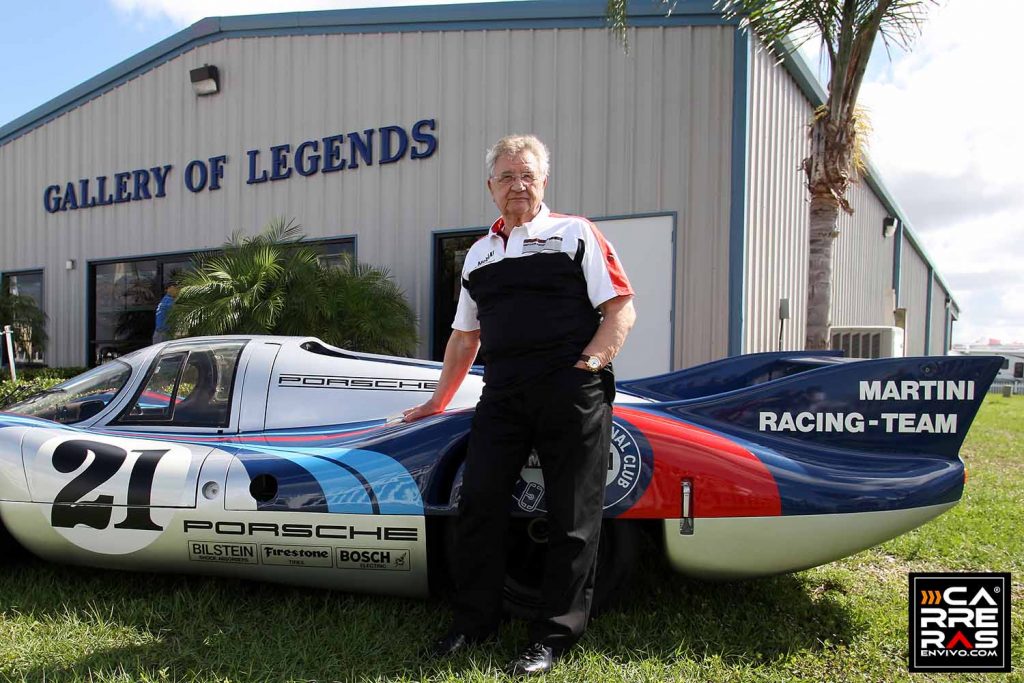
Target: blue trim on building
{"x": 947, "y": 318}
{"x": 525, "y": 14}
{"x": 738, "y": 189}
{"x": 928, "y": 312}
{"x": 897, "y": 261}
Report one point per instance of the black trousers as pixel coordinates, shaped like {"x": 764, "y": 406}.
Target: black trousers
{"x": 566, "y": 417}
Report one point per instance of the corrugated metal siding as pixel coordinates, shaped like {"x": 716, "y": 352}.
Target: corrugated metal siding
{"x": 862, "y": 290}
{"x": 648, "y": 132}
{"x": 776, "y": 236}
{"x": 914, "y": 297}
{"x": 776, "y": 239}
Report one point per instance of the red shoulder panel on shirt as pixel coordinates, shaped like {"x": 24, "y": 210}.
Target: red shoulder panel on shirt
{"x": 620, "y": 283}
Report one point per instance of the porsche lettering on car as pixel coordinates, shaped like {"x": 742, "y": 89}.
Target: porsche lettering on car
{"x": 284, "y": 459}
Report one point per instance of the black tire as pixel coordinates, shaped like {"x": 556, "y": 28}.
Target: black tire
{"x": 617, "y": 556}
{"x": 8, "y": 546}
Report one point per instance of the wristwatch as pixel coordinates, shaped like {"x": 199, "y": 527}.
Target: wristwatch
{"x": 593, "y": 363}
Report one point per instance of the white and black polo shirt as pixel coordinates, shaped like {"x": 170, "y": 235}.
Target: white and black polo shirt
{"x": 534, "y": 298}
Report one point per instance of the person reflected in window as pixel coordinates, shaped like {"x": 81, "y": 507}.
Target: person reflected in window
{"x": 163, "y": 309}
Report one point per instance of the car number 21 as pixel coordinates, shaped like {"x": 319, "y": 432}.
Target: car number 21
{"x": 112, "y": 496}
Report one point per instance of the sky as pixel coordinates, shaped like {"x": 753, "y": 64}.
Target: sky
{"x": 946, "y": 137}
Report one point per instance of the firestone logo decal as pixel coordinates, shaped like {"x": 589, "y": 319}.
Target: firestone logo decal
{"x": 629, "y": 469}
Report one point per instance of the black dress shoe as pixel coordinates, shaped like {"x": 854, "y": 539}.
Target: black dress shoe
{"x": 536, "y": 659}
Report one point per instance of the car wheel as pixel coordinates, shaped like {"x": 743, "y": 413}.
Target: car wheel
{"x": 8, "y": 545}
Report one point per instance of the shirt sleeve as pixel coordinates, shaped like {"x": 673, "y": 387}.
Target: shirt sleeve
{"x": 465, "y": 315}
{"x": 606, "y": 278}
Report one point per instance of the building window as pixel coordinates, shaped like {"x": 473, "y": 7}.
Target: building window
{"x": 28, "y": 284}
{"x": 450, "y": 251}
{"x": 1018, "y": 370}
{"x": 335, "y": 252}
{"x": 123, "y": 296}
{"x": 123, "y": 299}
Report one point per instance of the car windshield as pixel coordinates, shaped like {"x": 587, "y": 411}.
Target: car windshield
{"x": 79, "y": 398}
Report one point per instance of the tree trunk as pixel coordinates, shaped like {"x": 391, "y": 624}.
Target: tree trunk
{"x": 824, "y": 213}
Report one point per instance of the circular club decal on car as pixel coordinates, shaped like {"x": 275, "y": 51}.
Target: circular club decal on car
{"x": 630, "y": 466}
{"x": 109, "y": 495}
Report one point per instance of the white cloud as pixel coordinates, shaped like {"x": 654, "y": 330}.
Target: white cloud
{"x": 185, "y": 12}
{"x": 947, "y": 140}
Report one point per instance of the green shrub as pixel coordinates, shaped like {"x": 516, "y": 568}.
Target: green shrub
{"x": 273, "y": 283}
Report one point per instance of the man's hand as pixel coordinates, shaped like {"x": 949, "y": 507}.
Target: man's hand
{"x": 458, "y": 357}
{"x": 419, "y": 412}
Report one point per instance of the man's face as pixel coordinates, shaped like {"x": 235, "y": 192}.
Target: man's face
{"x": 515, "y": 194}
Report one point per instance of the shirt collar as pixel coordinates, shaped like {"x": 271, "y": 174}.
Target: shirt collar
{"x": 531, "y": 226}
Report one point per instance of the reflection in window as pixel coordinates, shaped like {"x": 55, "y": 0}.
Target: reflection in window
{"x": 336, "y": 254}
{"x": 449, "y": 254}
{"x": 79, "y": 398}
{"x": 27, "y": 284}
{"x": 189, "y": 387}
{"x": 154, "y": 403}
{"x": 124, "y": 307}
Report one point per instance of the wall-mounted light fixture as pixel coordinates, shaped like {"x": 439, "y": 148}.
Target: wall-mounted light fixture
{"x": 69, "y": 264}
{"x": 889, "y": 226}
{"x": 205, "y": 80}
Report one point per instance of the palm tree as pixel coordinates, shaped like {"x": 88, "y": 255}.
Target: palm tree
{"x": 848, "y": 30}
{"x": 27, "y": 321}
{"x": 273, "y": 283}
{"x": 365, "y": 310}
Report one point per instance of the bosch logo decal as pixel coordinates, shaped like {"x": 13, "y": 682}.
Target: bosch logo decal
{"x": 373, "y": 559}
{"x": 363, "y": 383}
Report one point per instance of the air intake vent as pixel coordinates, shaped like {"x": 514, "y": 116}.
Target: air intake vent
{"x": 868, "y": 342}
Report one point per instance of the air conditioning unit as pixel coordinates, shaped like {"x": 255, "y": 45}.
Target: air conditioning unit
{"x": 868, "y": 342}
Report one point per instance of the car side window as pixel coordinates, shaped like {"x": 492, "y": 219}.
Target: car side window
{"x": 188, "y": 387}
{"x": 156, "y": 400}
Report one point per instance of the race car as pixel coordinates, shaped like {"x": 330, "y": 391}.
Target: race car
{"x": 285, "y": 459}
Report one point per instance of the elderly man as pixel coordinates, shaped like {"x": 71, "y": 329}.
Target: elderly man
{"x": 546, "y": 302}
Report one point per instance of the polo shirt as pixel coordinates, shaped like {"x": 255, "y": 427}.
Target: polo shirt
{"x": 534, "y": 298}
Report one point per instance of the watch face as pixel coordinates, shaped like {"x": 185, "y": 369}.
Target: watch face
{"x": 594, "y": 364}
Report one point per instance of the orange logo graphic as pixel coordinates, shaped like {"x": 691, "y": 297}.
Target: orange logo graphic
{"x": 931, "y": 597}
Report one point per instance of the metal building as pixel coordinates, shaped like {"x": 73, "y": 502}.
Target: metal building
{"x": 369, "y": 128}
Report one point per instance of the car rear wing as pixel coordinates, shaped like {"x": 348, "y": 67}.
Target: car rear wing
{"x": 909, "y": 405}
{"x": 728, "y": 374}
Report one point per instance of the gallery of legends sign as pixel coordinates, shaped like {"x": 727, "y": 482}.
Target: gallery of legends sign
{"x": 330, "y": 154}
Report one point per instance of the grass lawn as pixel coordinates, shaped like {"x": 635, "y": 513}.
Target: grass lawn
{"x": 846, "y": 621}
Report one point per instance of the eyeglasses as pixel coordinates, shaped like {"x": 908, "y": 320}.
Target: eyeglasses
{"x": 510, "y": 179}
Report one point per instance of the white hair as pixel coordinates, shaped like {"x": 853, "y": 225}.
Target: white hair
{"x": 511, "y": 145}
